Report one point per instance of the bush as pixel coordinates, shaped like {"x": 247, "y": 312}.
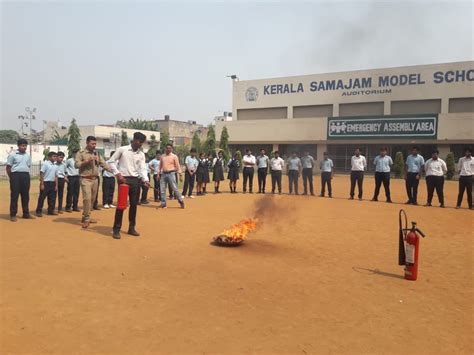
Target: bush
{"x": 399, "y": 165}
{"x": 450, "y": 165}
{"x": 239, "y": 158}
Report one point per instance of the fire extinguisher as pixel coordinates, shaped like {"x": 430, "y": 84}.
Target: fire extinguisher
{"x": 409, "y": 247}
{"x": 122, "y": 196}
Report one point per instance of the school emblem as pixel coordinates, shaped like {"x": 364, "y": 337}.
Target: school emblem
{"x": 251, "y": 94}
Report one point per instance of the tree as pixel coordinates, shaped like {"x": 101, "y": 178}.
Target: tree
{"x": 45, "y": 154}
{"x": 450, "y": 165}
{"x": 182, "y": 151}
{"x": 239, "y": 158}
{"x": 153, "y": 143}
{"x": 73, "y": 137}
{"x": 138, "y": 123}
{"x": 124, "y": 138}
{"x": 164, "y": 139}
{"x": 399, "y": 165}
{"x": 57, "y": 139}
{"x": 224, "y": 143}
{"x": 9, "y": 136}
{"x": 196, "y": 142}
{"x": 210, "y": 143}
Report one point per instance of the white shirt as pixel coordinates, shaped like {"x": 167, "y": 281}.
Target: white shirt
{"x": 130, "y": 163}
{"x": 277, "y": 163}
{"x": 358, "y": 163}
{"x": 249, "y": 159}
{"x": 435, "y": 167}
{"x": 466, "y": 166}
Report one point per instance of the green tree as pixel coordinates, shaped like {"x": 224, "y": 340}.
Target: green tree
{"x": 153, "y": 143}
{"x": 138, "y": 123}
{"x": 399, "y": 165}
{"x": 73, "y": 137}
{"x": 45, "y": 154}
{"x": 210, "y": 143}
{"x": 58, "y": 139}
{"x": 224, "y": 143}
{"x": 9, "y": 136}
{"x": 182, "y": 151}
{"x": 164, "y": 139}
{"x": 124, "y": 138}
{"x": 239, "y": 158}
{"x": 450, "y": 165}
{"x": 196, "y": 142}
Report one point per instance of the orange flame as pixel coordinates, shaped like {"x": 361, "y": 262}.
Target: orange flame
{"x": 240, "y": 230}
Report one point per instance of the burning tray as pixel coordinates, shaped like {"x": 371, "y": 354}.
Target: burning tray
{"x": 224, "y": 241}
{"x": 236, "y": 235}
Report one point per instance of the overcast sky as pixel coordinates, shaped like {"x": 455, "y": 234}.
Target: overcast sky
{"x": 104, "y": 61}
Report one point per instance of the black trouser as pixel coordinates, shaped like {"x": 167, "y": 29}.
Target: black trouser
{"x": 47, "y": 192}
{"x": 435, "y": 183}
{"x": 379, "y": 179}
{"x": 96, "y": 202}
{"x": 248, "y": 175}
{"x": 465, "y": 183}
{"x": 133, "y": 197}
{"x": 308, "y": 178}
{"x": 357, "y": 176}
{"x": 411, "y": 184}
{"x": 61, "y": 182}
{"x": 144, "y": 190}
{"x": 108, "y": 189}
{"x": 73, "y": 188}
{"x": 276, "y": 180}
{"x": 188, "y": 183}
{"x": 326, "y": 179}
{"x": 293, "y": 176}
{"x": 19, "y": 185}
{"x": 156, "y": 191}
{"x": 262, "y": 178}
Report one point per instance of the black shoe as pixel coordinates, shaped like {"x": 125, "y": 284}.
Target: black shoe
{"x": 181, "y": 203}
{"x": 28, "y": 216}
{"x": 250, "y": 192}
{"x": 408, "y": 202}
{"x": 304, "y": 193}
{"x": 259, "y": 192}
{"x": 312, "y": 194}
{"x": 52, "y": 213}
{"x": 389, "y": 201}
{"x": 146, "y": 202}
{"x": 415, "y": 203}
{"x": 68, "y": 210}
{"x": 373, "y": 200}
{"x": 428, "y": 204}
{"x": 76, "y": 210}
{"x": 279, "y": 192}
{"x": 441, "y": 205}
{"x": 13, "y": 218}
{"x": 458, "y": 207}
{"x": 351, "y": 198}
{"x": 116, "y": 234}
{"x": 39, "y": 214}
{"x": 97, "y": 208}
{"x": 360, "y": 198}
{"x": 330, "y": 196}
{"x": 132, "y": 231}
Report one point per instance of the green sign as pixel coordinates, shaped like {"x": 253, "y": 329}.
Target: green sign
{"x": 386, "y": 127}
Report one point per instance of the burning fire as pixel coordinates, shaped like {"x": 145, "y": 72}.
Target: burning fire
{"x": 239, "y": 231}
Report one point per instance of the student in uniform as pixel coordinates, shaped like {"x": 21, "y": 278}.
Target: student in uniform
{"x": 48, "y": 185}
{"x": 307, "y": 161}
{"x": 466, "y": 170}
{"x": 207, "y": 177}
{"x": 131, "y": 170}
{"x": 74, "y": 184}
{"x": 277, "y": 164}
{"x": 200, "y": 173}
{"x": 413, "y": 169}
{"x": 382, "y": 163}
{"x": 108, "y": 187}
{"x": 293, "y": 170}
{"x": 233, "y": 174}
{"x": 191, "y": 165}
{"x": 62, "y": 179}
{"x": 155, "y": 168}
{"x": 218, "y": 171}
{"x": 435, "y": 168}
{"x": 327, "y": 174}
{"x": 144, "y": 188}
{"x": 18, "y": 171}
{"x": 263, "y": 163}
{"x": 358, "y": 165}
{"x": 248, "y": 162}
{"x": 169, "y": 167}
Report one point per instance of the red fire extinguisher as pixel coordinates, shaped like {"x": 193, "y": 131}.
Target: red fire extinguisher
{"x": 409, "y": 247}
{"x": 122, "y": 196}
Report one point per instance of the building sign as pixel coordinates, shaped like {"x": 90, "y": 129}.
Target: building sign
{"x": 386, "y": 127}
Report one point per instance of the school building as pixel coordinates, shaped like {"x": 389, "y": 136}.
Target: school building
{"x": 431, "y": 106}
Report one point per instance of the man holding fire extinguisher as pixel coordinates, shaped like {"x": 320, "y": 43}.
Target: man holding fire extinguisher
{"x": 131, "y": 170}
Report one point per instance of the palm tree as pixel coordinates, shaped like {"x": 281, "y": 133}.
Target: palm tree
{"x": 138, "y": 123}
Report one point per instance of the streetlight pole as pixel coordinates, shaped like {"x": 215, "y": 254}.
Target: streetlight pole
{"x": 30, "y": 115}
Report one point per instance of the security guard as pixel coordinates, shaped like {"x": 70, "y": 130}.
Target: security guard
{"x": 88, "y": 162}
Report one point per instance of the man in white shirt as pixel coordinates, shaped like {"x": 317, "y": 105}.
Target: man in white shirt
{"x": 413, "y": 169}
{"x": 249, "y": 162}
{"x": 382, "y": 163}
{"x": 262, "y": 165}
{"x": 358, "y": 165}
{"x": 435, "y": 169}
{"x": 132, "y": 171}
{"x": 466, "y": 170}
{"x": 293, "y": 170}
{"x": 108, "y": 187}
{"x": 327, "y": 173}
{"x": 276, "y": 164}
{"x": 307, "y": 161}
{"x": 191, "y": 164}
{"x": 155, "y": 168}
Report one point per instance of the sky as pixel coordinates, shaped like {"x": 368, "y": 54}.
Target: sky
{"x": 103, "y": 61}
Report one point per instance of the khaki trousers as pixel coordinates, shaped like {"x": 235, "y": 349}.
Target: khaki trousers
{"x": 89, "y": 194}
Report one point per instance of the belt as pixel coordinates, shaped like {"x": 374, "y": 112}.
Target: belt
{"x": 169, "y": 172}
{"x": 89, "y": 177}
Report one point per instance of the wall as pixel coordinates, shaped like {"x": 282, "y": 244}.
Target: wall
{"x": 36, "y": 151}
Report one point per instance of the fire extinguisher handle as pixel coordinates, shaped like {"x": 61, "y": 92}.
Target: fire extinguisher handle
{"x": 421, "y": 233}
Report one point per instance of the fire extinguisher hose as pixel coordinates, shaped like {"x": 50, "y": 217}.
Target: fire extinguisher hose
{"x": 401, "y": 236}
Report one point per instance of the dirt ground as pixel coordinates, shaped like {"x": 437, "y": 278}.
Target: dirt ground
{"x": 318, "y": 275}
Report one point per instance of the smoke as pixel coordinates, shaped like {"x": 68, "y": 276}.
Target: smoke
{"x": 270, "y": 208}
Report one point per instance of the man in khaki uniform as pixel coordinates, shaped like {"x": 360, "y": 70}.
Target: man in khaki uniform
{"x": 88, "y": 162}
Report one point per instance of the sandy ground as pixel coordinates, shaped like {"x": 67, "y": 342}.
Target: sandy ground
{"x": 319, "y": 275}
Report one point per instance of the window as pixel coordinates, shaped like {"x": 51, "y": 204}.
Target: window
{"x": 415, "y": 107}
{"x": 361, "y": 109}
{"x": 270, "y": 113}
{"x": 464, "y": 104}
{"x": 312, "y": 111}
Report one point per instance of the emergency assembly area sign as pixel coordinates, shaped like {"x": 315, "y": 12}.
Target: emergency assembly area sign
{"x": 386, "y": 127}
